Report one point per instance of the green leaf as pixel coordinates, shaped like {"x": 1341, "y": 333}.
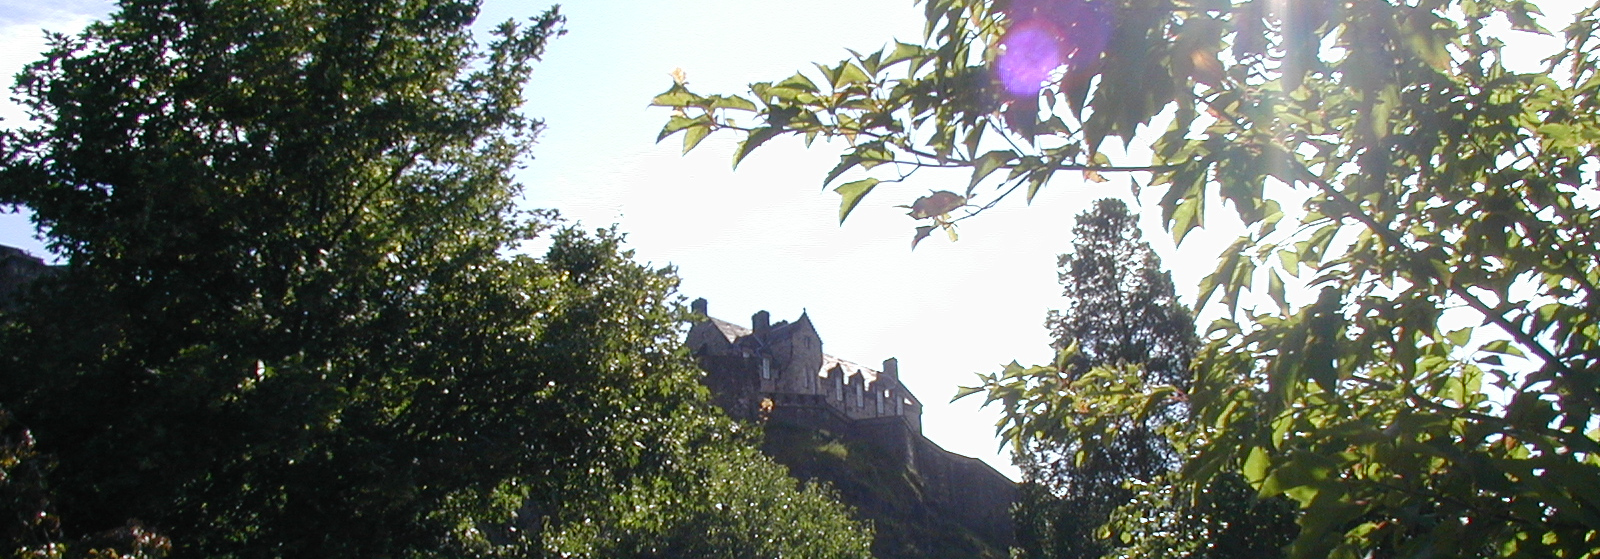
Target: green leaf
{"x": 751, "y": 142}
{"x": 1502, "y": 347}
{"x": 975, "y": 136}
{"x": 734, "y": 102}
{"x": 1256, "y": 466}
{"x": 870, "y": 63}
{"x": 1315, "y": 249}
{"x": 1291, "y": 262}
{"x": 850, "y": 74}
{"x": 846, "y": 161}
{"x": 1226, "y": 267}
{"x": 964, "y": 391}
{"x": 799, "y": 82}
{"x": 1036, "y": 182}
{"x": 1189, "y": 214}
{"x": 851, "y": 194}
{"x": 987, "y": 164}
{"x": 679, "y": 122}
{"x": 1275, "y": 290}
{"x": 676, "y": 96}
{"x": 829, "y": 72}
{"x": 902, "y": 52}
{"x": 692, "y": 137}
{"x": 1424, "y": 41}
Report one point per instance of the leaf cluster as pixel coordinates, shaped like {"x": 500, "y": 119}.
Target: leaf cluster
{"x": 939, "y": 104}
{"x": 1438, "y": 397}
{"x": 291, "y": 321}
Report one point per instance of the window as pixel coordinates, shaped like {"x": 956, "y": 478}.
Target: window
{"x": 838, "y": 385}
{"x": 877, "y": 398}
{"x": 766, "y": 368}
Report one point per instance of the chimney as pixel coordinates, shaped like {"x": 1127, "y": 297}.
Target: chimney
{"x": 699, "y": 307}
{"x": 760, "y": 321}
{"x": 891, "y": 368}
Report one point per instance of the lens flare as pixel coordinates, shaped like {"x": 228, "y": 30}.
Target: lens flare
{"x": 1051, "y": 35}
{"x": 1032, "y": 51}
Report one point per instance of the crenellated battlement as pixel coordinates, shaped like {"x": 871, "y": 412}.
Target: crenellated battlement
{"x": 783, "y": 362}
{"x": 777, "y": 373}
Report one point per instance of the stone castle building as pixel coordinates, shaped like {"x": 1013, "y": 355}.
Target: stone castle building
{"x": 781, "y": 369}
{"x": 777, "y": 372}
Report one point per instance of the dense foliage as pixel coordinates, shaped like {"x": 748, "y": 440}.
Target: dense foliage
{"x": 288, "y": 326}
{"x": 1438, "y": 396}
{"x": 1123, "y": 317}
{"x": 1120, "y": 310}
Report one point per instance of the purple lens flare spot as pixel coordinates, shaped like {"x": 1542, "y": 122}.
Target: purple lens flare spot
{"x": 1032, "y": 49}
{"x": 1051, "y": 35}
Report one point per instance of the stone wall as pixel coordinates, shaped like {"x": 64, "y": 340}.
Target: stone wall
{"x": 966, "y": 489}
{"x": 778, "y": 373}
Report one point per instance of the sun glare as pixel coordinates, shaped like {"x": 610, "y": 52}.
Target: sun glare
{"x": 1050, "y": 35}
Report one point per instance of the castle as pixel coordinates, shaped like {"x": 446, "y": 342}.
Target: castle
{"x": 777, "y": 372}
{"x": 781, "y": 369}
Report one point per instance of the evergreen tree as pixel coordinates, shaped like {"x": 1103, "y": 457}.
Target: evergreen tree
{"x": 1120, "y": 310}
{"x": 286, "y": 327}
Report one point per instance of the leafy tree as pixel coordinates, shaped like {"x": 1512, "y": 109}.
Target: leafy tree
{"x": 1438, "y": 397}
{"x": 722, "y": 501}
{"x": 287, "y": 327}
{"x": 32, "y": 528}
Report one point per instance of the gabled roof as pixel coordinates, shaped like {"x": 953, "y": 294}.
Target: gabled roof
{"x": 730, "y": 330}
{"x": 741, "y": 336}
{"x": 784, "y": 328}
{"x": 868, "y": 376}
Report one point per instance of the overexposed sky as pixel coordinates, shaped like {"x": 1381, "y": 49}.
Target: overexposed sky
{"x": 767, "y": 236}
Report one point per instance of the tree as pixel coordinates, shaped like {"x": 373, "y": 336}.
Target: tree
{"x": 34, "y": 531}
{"x": 1120, "y": 310}
{"x": 1438, "y": 397}
{"x": 289, "y": 324}
{"x": 722, "y": 501}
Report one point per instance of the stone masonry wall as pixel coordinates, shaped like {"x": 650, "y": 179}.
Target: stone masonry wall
{"x": 961, "y": 488}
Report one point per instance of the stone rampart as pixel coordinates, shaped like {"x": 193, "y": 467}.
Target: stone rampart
{"x": 752, "y": 375}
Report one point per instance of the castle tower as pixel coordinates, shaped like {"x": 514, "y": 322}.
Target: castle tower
{"x": 778, "y": 373}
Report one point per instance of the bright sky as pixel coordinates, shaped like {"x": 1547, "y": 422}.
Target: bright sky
{"x": 767, "y": 236}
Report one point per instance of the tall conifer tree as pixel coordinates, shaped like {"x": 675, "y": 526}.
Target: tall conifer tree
{"x": 1120, "y": 310}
